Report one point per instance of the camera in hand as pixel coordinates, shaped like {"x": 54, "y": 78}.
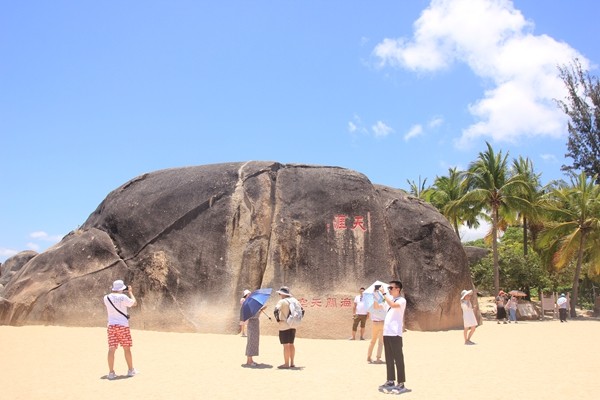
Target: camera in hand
{"x": 377, "y": 287}
{"x": 126, "y": 288}
{"x": 276, "y": 313}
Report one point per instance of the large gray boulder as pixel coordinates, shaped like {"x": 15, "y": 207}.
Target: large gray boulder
{"x": 191, "y": 239}
{"x": 14, "y": 264}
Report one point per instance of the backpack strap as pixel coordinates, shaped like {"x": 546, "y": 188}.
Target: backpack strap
{"x": 119, "y": 311}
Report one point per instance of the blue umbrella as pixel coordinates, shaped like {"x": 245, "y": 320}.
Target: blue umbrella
{"x": 254, "y": 302}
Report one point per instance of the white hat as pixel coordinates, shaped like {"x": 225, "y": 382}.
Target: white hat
{"x": 246, "y": 292}
{"x": 284, "y": 291}
{"x": 465, "y": 293}
{"x": 118, "y": 285}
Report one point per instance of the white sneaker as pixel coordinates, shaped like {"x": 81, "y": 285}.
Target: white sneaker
{"x": 111, "y": 376}
{"x": 400, "y": 389}
{"x": 132, "y": 372}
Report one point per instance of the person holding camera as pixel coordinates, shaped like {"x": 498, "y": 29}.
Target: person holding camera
{"x": 393, "y": 326}
{"x": 117, "y": 303}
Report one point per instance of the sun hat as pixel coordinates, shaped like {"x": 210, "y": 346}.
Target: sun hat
{"x": 465, "y": 293}
{"x": 284, "y": 291}
{"x": 118, "y": 285}
{"x": 246, "y": 292}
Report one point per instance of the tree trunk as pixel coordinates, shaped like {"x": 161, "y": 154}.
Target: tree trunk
{"x": 495, "y": 249}
{"x": 524, "y": 235}
{"x": 577, "y": 273}
{"x": 456, "y": 227}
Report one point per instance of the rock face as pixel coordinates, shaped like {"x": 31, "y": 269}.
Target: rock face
{"x": 190, "y": 240}
{"x": 14, "y": 264}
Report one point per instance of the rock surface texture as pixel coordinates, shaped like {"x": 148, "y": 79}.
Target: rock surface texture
{"x": 190, "y": 240}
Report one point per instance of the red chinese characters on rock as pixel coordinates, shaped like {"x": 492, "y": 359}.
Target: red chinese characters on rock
{"x": 330, "y": 302}
{"x": 358, "y": 222}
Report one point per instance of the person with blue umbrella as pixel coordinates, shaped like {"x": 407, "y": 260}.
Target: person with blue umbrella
{"x": 251, "y": 309}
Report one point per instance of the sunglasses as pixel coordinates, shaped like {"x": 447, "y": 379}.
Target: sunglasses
{"x": 393, "y": 287}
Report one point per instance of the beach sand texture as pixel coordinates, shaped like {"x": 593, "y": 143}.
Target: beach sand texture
{"x": 530, "y": 360}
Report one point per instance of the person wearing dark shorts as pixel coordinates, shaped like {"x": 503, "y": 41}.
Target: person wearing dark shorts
{"x": 287, "y": 335}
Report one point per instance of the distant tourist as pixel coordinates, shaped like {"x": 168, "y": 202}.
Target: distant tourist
{"x": 512, "y": 309}
{"x": 393, "y": 326}
{"x": 562, "y": 307}
{"x": 359, "y": 315}
{"x": 500, "y": 307}
{"x": 469, "y": 320}
{"x": 117, "y": 304}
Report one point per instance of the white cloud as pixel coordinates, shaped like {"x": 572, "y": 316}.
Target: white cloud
{"x": 435, "y": 122}
{"x": 495, "y": 40}
{"x": 470, "y": 234}
{"x": 380, "y": 129}
{"x": 43, "y": 236}
{"x": 549, "y": 157}
{"x": 33, "y": 246}
{"x": 414, "y": 131}
{"x": 352, "y": 127}
{"x": 7, "y": 253}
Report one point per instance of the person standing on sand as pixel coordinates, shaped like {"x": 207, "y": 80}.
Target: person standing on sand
{"x": 512, "y": 309}
{"x": 243, "y": 324}
{"x": 252, "y": 344}
{"x": 562, "y": 307}
{"x": 287, "y": 335}
{"x": 377, "y": 318}
{"x": 500, "y": 307}
{"x": 117, "y": 304}
{"x": 469, "y": 320}
{"x": 393, "y": 326}
{"x": 359, "y": 315}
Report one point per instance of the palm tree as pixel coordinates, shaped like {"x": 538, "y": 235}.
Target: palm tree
{"x": 418, "y": 190}
{"x": 490, "y": 188}
{"x": 444, "y": 195}
{"x": 524, "y": 168}
{"x": 575, "y": 231}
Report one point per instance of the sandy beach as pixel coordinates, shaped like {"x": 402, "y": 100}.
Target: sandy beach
{"x": 530, "y": 360}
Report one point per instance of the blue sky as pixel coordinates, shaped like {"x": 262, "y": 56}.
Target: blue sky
{"x": 93, "y": 94}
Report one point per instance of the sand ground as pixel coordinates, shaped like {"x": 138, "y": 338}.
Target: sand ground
{"x": 530, "y": 360}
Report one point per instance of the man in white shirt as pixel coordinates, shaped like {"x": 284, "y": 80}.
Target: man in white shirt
{"x": 359, "y": 315}
{"x": 117, "y": 304}
{"x": 393, "y": 325}
{"x": 562, "y": 307}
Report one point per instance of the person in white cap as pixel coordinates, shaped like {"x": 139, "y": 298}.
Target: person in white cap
{"x": 562, "y": 307}
{"x": 469, "y": 320}
{"x": 287, "y": 335}
{"x": 117, "y": 304}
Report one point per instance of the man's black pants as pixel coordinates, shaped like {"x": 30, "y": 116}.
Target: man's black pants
{"x": 394, "y": 358}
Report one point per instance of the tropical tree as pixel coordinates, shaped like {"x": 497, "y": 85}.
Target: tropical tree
{"x": 573, "y": 235}
{"x": 582, "y": 105}
{"x": 418, "y": 190}
{"x": 529, "y": 215}
{"x": 489, "y": 187}
{"x": 445, "y": 194}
